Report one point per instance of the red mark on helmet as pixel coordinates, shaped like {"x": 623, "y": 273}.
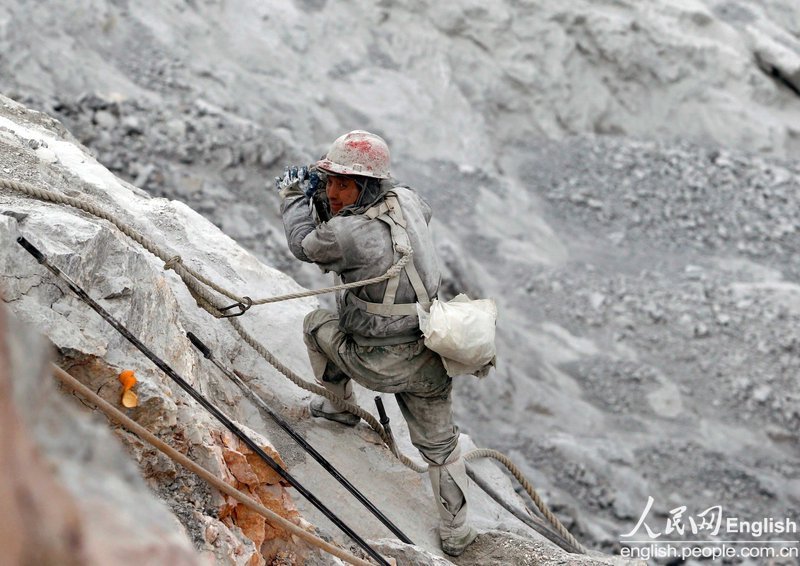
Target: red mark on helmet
{"x": 363, "y": 146}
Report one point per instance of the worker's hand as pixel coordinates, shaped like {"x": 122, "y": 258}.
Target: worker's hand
{"x": 315, "y": 183}
{"x": 298, "y": 182}
{"x": 289, "y": 184}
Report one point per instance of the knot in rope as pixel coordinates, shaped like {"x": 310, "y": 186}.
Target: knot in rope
{"x": 395, "y": 270}
{"x": 172, "y": 262}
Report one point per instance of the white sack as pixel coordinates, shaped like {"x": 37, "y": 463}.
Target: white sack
{"x": 462, "y": 332}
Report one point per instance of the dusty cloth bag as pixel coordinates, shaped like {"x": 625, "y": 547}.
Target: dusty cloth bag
{"x": 462, "y": 332}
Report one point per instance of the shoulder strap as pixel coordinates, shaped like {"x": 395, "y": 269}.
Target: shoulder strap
{"x": 390, "y": 213}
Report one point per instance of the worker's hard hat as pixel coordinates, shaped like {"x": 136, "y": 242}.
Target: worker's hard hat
{"x": 357, "y": 153}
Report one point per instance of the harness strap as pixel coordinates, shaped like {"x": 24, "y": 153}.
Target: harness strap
{"x": 400, "y": 238}
{"x": 391, "y": 214}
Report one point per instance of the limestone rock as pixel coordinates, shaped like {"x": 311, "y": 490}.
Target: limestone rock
{"x": 408, "y": 554}
{"x": 471, "y": 99}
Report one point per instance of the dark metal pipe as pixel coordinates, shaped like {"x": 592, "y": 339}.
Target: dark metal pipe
{"x": 297, "y": 438}
{"x": 219, "y": 415}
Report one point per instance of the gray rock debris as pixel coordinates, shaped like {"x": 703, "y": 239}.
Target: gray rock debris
{"x": 496, "y": 547}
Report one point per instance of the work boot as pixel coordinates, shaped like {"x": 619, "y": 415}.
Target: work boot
{"x": 449, "y": 483}
{"x": 322, "y": 407}
{"x": 457, "y": 541}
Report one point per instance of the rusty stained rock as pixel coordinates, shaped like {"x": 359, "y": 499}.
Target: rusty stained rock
{"x": 251, "y": 523}
{"x": 265, "y": 474}
{"x": 240, "y": 468}
{"x": 156, "y": 408}
{"x": 255, "y": 478}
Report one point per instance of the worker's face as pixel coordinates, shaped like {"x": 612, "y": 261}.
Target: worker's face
{"x": 341, "y": 191}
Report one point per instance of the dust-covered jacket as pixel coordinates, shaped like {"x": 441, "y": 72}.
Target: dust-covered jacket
{"x": 357, "y": 247}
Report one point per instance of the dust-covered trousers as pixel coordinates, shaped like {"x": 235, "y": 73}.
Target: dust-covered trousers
{"x": 422, "y": 388}
{"x": 411, "y": 371}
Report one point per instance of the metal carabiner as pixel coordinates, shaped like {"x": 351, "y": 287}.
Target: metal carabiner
{"x": 243, "y": 308}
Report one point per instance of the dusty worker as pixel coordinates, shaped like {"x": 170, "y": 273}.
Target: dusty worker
{"x": 363, "y": 220}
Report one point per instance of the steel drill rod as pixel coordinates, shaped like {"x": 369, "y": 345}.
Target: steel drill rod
{"x": 297, "y": 438}
{"x": 385, "y": 424}
{"x": 219, "y": 415}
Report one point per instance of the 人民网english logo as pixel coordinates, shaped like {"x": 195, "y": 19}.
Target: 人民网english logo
{"x": 709, "y": 534}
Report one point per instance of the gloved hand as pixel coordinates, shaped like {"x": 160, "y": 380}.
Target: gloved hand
{"x": 297, "y": 182}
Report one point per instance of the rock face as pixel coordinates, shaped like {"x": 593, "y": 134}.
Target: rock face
{"x": 97, "y": 508}
{"x": 492, "y": 75}
{"x": 669, "y": 324}
{"x": 166, "y": 100}
{"x": 495, "y": 547}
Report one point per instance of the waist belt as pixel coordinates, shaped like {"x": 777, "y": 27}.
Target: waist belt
{"x": 382, "y": 309}
{"x": 384, "y": 340}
